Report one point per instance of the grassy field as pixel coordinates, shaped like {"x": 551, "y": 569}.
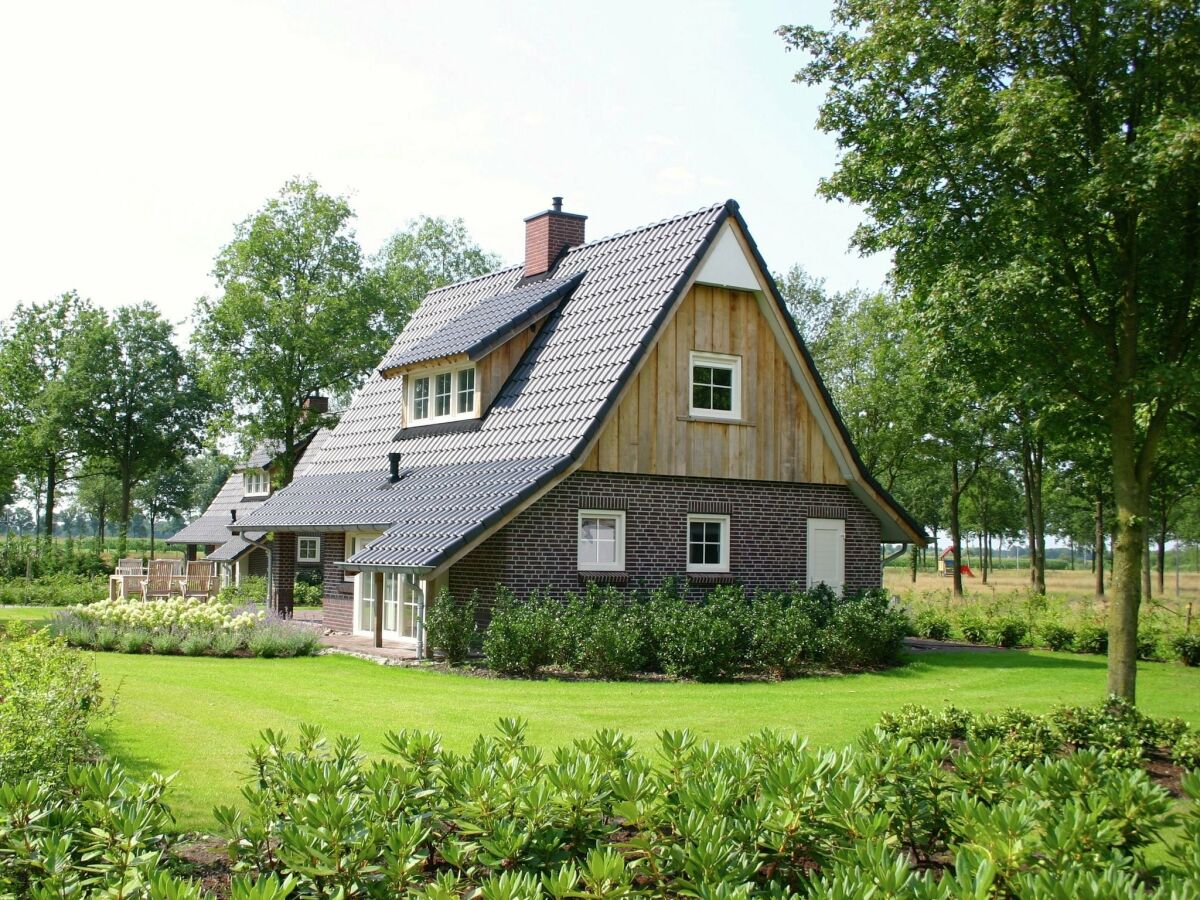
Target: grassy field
{"x": 198, "y": 716}
{"x": 1079, "y": 585}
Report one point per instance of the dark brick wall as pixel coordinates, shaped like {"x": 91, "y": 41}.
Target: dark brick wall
{"x": 256, "y": 563}
{"x": 338, "y": 598}
{"x": 283, "y": 572}
{"x": 767, "y": 533}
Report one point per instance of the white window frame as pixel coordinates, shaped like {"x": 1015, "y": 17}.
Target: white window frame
{"x": 723, "y": 521}
{"x": 259, "y": 479}
{"x": 456, "y": 374}
{"x": 618, "y": 565}
{"x": 721, "y": 361}
{"x": 300, "y": 557}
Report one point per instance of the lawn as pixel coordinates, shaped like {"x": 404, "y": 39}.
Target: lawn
{"x": 197, "y": 716}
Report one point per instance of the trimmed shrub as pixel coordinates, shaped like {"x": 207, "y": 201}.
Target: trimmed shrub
{"x": 107, "y": 638}
{"x": 197, "y": 643}
{"x": 973, "y": 627}
{"x": 450, "y": 627}
{"x": 307, "y": 594}
{"x": 1091, "y": 639}
{"x": 276, "y": 639}
{"x": 1010, "y": 632}
{"x": 865, "y": 632}
{"x": 1058, "y": 637}
{"x": 227, "y": 643}
{"x": 929, "y": 623}
{"x": 1186, "y": 751}
{"x": 1187, "y": 648}
{"x": 523, "y": 635}
{"x": 784, "y": 641}
{"x": 607, "y": 639}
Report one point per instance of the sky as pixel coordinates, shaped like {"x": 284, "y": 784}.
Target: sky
{"x": 135, "y": 136}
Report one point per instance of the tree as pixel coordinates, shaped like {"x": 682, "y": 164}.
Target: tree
{"x": 40, "y": 386}
{"x": 99, "y": 493}
{"x": 1039, "y": 171}
{"x": 297, "y": 316}
{"x": 148, "y": 407}
{"x": 429, "y": 253}
{"x": 166, "y": 491}
{"x": 209, "y": 472}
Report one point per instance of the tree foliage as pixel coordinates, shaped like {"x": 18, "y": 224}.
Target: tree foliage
{"x": 1038, "y": 168}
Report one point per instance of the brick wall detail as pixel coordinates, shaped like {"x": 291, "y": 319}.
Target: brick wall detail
{"x": 283, "y": 572}
{"x": 768, "y": 533}
{"x": 338, "y": 597}
{"x": 547, "y": 235}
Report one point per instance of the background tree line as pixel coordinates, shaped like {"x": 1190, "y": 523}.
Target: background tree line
{"x": 107, "y": 419}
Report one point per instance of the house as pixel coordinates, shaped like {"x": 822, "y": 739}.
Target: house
{"x": 617, "y": 411}
{"x": 249, "y": 485}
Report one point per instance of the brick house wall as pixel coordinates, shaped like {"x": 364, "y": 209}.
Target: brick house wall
{"x": 768, "y": 534}
{"x": 338, "y": 597}
{"x": 283, "y": 571}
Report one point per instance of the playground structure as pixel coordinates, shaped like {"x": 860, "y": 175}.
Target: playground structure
{"x": 946, "y": 569}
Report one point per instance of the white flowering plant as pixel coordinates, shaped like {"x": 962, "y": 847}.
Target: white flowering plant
{"x": 176, "y": 614}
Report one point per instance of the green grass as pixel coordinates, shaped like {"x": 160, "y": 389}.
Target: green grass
{"x": 31, "y": 614}
{"x": 198, "y": 716}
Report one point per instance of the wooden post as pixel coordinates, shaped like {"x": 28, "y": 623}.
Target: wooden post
{"x": 378, "y": 576}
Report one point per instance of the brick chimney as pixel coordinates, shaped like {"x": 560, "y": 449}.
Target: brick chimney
{"x": 547, "y": 234}
{"x": 314, "y": 406}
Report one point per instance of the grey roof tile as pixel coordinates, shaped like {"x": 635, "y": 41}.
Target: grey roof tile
{"x": 477, "y": 329}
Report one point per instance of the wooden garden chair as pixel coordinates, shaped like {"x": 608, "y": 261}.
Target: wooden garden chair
{"x": 200, "y": 579}
{"x": 162, "y": 581}
{"x": 132, "y": 585}
{"x": 131, "y": 565}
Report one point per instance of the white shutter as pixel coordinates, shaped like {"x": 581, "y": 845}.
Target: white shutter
{"x": 827, "y": 553}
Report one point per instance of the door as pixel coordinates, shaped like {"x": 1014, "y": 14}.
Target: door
{"x": 826, "y": 563}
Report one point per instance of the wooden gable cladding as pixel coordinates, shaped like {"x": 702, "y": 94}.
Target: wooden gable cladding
{"x": 778, "y": 437}
{"x": 492, "y": 371}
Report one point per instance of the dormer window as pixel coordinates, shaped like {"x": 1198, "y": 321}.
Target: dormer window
{"x": 442, "y": 396}
{"x": 256, "y": 483}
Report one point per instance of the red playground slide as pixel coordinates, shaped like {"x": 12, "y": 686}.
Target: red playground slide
{"x": 966, "y": 570}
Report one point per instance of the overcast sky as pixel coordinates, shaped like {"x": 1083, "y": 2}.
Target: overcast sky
{"x": 136, "y": 135}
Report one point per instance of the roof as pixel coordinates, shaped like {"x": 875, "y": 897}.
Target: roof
{"x": 487, "y": 324}
{"x": 460, "y": 482}
{"x": 231, "y": 549}
{"x": 210, "y": 526}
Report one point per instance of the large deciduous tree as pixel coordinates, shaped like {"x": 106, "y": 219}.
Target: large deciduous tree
{"x": 297, "y": 316}
{"x": 147, "y": 409}
{"x": 1037, "y": 167}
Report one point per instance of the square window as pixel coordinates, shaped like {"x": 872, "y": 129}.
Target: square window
{"x": 308, "y": 549}
{"x": 421, "y": 398}
{"x": 256, "y": 483}
{"x": 601, "y": 540}
{"x": 466, "y": 391}
{"x": 708, "y": 543}
{"x": 441, "y": 395}
{"x": 716, "y": 386}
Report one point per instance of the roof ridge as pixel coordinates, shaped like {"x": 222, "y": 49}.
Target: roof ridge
{"x": 712, "y": 207}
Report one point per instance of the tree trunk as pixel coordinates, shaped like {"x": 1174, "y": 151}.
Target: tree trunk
{"x": 1162, "y": 548}
{"x": 126, "y": 504}
{"x": 1032, "y": 468}
{"x": 916, "y": 554}
{"x": 51, "y": 484}
{"x": 1098, "y": 556}
{"x": 1147, "y": 593}
{"x": 955, "y": 532}
{"x": 1129, "y": 542}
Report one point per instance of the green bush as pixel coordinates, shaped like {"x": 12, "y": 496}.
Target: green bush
{"x": 107, "y": 638}
{"x": 1186, "y": 750}
{"x": 603, "y": 634}
{"x": 1091, "y": 639}
{"x": 450, "y": 627}
{"x": 1010, "y": 632}
{"x": 275, "y": 639}
{"x": 165, "y": 642}
{"x": 702, "y": 645}
{"x": 973, "y": 627}
{"x": 929, "y": 623}
{"x": 1187, "y": 648}
{"x": 307, "y": 594}
{"x": 60, "y": 589}
{"x": 1058, "y": 637}
{"x": 865, "y": 632}
{"x": 784, "y": 641}
{"x": 523, "y": 636}
{"x": 51, "y": 695}
{"x": 252, "y": 589}
{"x": 228, "y": 643}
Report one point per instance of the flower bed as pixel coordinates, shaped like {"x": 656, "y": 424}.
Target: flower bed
{"x": 189, "y": 626}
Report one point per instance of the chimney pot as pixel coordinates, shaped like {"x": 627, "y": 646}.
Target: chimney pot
{"x": 394, "y": 466}
{"x": 548, "y": 234}
{"x": 233, "y": 515}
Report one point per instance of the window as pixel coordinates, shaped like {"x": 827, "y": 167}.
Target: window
{"x": 308, "y": 549}
{"x": 716, "y": 386}
{"x": 708, "y": 544}
{"x": 420, "y": 404}
{"x": 256, "y": 483}
{"x": 442, "y": 396}
{"x": 601, "y": 540}
{"x": 466, "y": 391}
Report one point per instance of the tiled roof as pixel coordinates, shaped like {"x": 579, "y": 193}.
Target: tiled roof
{"x": 479, "y": 329}
{"x": 231, "y": 549}
{"x": 542, "y": 418}
{"x": 210, "y": 527}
